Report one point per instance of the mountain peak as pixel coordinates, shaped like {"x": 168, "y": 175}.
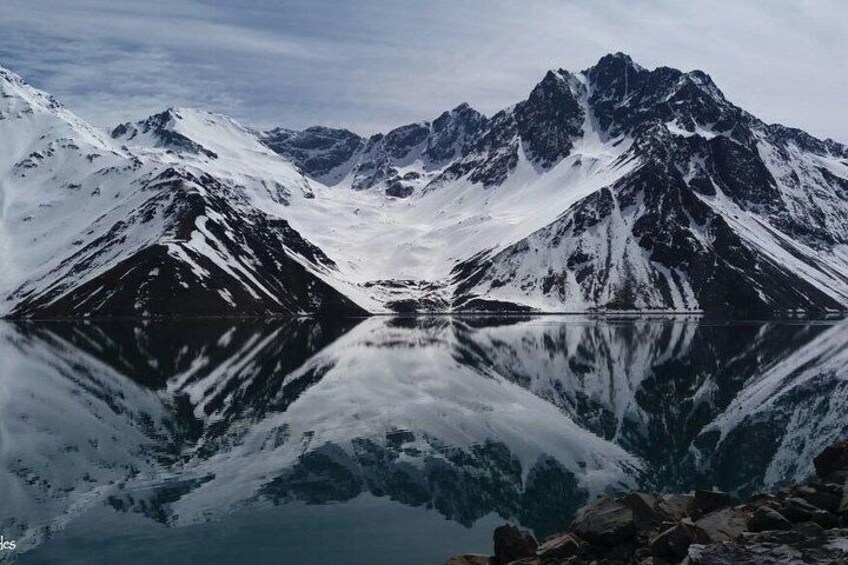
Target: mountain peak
{"x": 8, "y": 76}
{"x": 617, "y": 61}
{"x": 13, "y": 87}
{"x": 462, "y": 111}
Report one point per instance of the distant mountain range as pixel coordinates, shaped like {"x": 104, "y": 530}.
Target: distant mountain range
{"x": 617, "y": 188}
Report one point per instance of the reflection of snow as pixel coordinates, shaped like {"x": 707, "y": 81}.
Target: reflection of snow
{"x": 240, "y": 409}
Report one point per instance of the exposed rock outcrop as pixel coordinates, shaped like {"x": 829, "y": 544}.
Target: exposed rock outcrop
{"x": 797, "y": 524}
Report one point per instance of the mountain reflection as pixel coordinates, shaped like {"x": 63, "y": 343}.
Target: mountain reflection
{"x": 186, "y": 421}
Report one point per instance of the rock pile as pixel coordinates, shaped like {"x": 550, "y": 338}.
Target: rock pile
{"x": 797, "y": 524}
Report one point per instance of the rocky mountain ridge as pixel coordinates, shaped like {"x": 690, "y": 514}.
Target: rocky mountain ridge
{"x": 617, "y": 188}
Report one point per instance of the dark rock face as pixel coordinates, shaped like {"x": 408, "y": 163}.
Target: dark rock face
{"x": 318, "y": 151}
{"x": 546, "y": 124}
{"x": 399, "y": 190}
{"x": 329, "y": 155}
{"x": 641, "y": 528}
{"x": 453, "y": 133}
{"x": 550, "y": 119}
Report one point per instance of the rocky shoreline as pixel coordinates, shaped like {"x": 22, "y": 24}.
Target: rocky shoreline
{"x": 805, "y": 523}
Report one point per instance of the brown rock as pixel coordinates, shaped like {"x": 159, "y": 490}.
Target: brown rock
{"x": 561, "y": 546}
{"x": 647, "y": 514}
{"x": 468, "y": 559}
{"x": 823, "y": 496}
{"x": 766, "y": 519}
{"x": 512, "y": 544}
{"x": 833, "y": 460}
{"x": 673, "y": 543}
{"x": 723, "y": 525}
{"x": 605, "y": 522}
{"x": 678, "y": 506}
{"x": 707, "y": 501}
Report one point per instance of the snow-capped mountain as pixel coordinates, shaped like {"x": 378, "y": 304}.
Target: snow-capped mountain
{"x": 614, "y": 188}
{"x": 721, "y": 212}
{"x": 91, "y": 226}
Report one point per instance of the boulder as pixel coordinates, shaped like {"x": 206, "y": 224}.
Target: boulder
{"x": 833, "y": 461}
{"x": 765, "y": 519}
{"x": 796, "y": 509}
{"x": 605, "y": 522}
{"x": 762, "y": 499}
{"x": 707, "y": 501}
{"x": 673, "y": 543}
{"x": 647, "y": 514}
{"x": 823, "y": 496}
{"x": 468, "y": 559}
{"x": 561, "y": 546}
{"x": 512, "y": 544}
{"x": 723, "y": 525}
{"x": 678, "y": 506}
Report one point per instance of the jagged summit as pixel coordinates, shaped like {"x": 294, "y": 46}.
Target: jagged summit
{"x": 614, "y": 63}
{"x": 335, "y": 156}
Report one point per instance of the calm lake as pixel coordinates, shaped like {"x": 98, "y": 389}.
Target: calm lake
{"x": 387, "y": 440}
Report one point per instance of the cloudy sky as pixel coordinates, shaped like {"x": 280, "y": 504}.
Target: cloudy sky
{"x": 370, "y": 64}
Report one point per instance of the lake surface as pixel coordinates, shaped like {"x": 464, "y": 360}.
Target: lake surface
{"x": 387, "y": 440}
